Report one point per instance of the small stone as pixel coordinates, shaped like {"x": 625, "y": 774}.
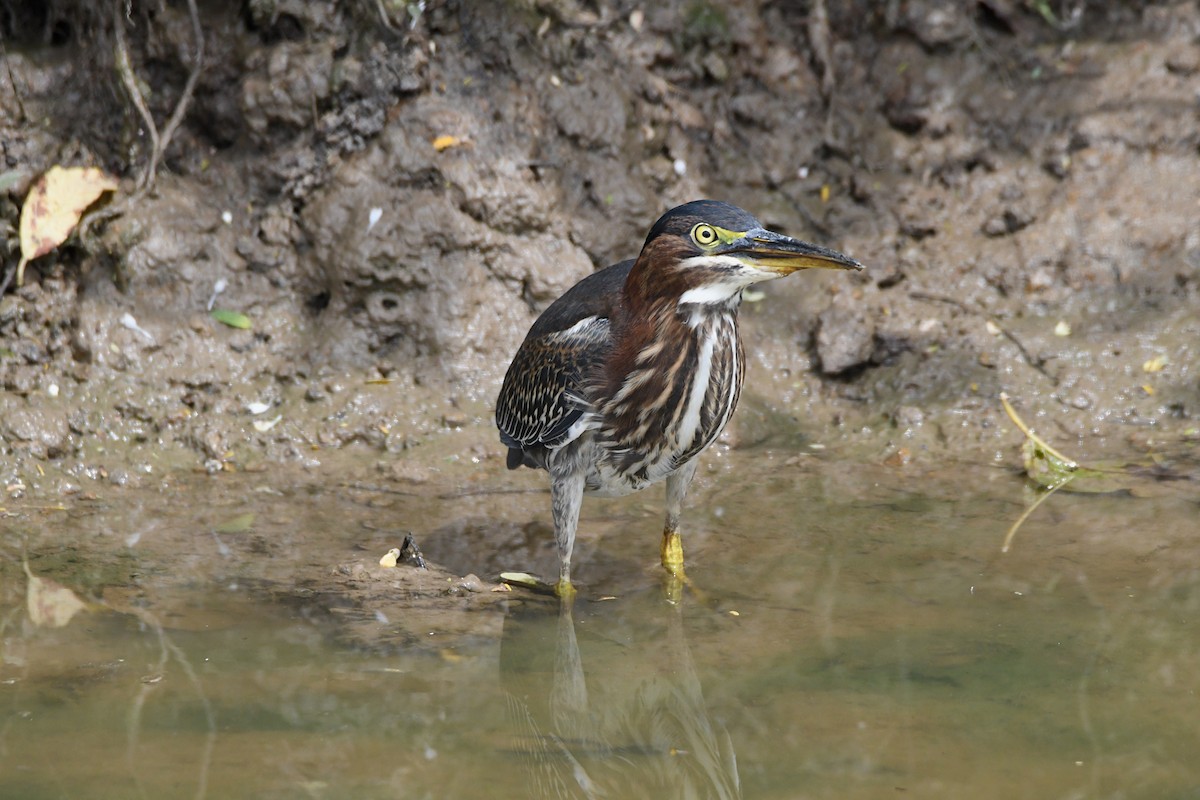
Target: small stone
{"x": 845, "y": 339}
{"x": 909, "y": 416}
{"x": 716, "y": 68}
{"x": 1184, "y": 62}
{"x": 995, "y": 226}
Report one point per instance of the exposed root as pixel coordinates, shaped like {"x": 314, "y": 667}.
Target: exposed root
{"x": 159, "y": 140}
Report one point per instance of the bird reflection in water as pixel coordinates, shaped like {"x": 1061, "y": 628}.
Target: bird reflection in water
{"x": 636, "y": 725}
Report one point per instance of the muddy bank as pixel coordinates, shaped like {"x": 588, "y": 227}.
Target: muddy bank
{"x": 391, "y": 201}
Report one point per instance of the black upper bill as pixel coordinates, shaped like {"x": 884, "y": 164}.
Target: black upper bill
{"x": 779, "y": 253}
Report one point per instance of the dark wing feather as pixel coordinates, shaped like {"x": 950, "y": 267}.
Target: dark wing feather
{"x": 544, "y": 393}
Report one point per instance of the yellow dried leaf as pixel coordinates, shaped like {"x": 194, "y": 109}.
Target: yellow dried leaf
{"x": 446, "y": 142}
{"x": 53, "y": 207}
{"x": 1155, "y": 364}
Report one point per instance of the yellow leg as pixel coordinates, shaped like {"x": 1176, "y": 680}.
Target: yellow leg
{"x": 672, "y": 552}
{"x": 672, "y": 561}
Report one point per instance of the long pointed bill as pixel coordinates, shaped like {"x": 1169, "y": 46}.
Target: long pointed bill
{"x": 774, "y": 252}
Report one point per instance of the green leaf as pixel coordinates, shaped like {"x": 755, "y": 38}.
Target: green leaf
{"x": 10, "y": 179}
{"x": 234, "y": 319}
{"x": 239, "y": 524}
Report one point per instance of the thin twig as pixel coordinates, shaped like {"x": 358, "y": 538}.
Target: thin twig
{"x": 1020, "y": 521}
{"x": 383, "y": 15}
{"x": 8, "y": 276}
{"x": 1070, "y": 463}
{"x": 12, "y": 80}
{"x": 189, "y": 88}
{"x": 122, "y": 10}
{"x": 158, "y": 142}
{"x": 168, "y": 647}
{"x": 819, "y": 37}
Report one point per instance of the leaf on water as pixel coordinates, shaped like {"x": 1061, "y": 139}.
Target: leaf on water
{"x": 50, "y": 604}
{"x": 1059, "y": 464}
{"x": 234, "y": 319}
{"x": 1052, "y": 471}
{"x": 1045, "y": 467}
{"x": 239, "y": 524}
{"x": 527, "y": 581}
{"x": 53, "y": 207}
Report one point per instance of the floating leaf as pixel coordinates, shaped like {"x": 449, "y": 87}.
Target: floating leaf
{"x": 1052, "y": 471}
{"x": 527, "y": 581}
{"x": 234, "y": 319}
{"x": 53, "y": 207}
{"x": 50, "y": 604}
{"x": 239, "y": 524}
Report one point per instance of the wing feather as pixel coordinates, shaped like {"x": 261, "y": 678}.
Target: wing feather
{"x": 544, "y": 397}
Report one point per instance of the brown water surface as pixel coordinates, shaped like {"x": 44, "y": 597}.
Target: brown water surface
{"x": 856, "y": 633}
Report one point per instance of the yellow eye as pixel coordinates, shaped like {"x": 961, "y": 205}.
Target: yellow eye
{"x": 704, "y": 235}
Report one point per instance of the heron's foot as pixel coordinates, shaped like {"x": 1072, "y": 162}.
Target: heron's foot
{"x": 672, "y": 553}
{"x": 565, "y": 590}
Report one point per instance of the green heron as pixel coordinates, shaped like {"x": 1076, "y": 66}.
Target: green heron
{"x": 627, "y": 377}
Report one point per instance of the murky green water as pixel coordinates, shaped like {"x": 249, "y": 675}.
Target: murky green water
{"x": 859, "y": 635}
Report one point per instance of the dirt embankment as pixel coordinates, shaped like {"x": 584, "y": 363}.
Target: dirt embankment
{"x": 392, "y": 198}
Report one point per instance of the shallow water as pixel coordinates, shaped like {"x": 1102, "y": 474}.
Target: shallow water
{"x": 856, "y": 633}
